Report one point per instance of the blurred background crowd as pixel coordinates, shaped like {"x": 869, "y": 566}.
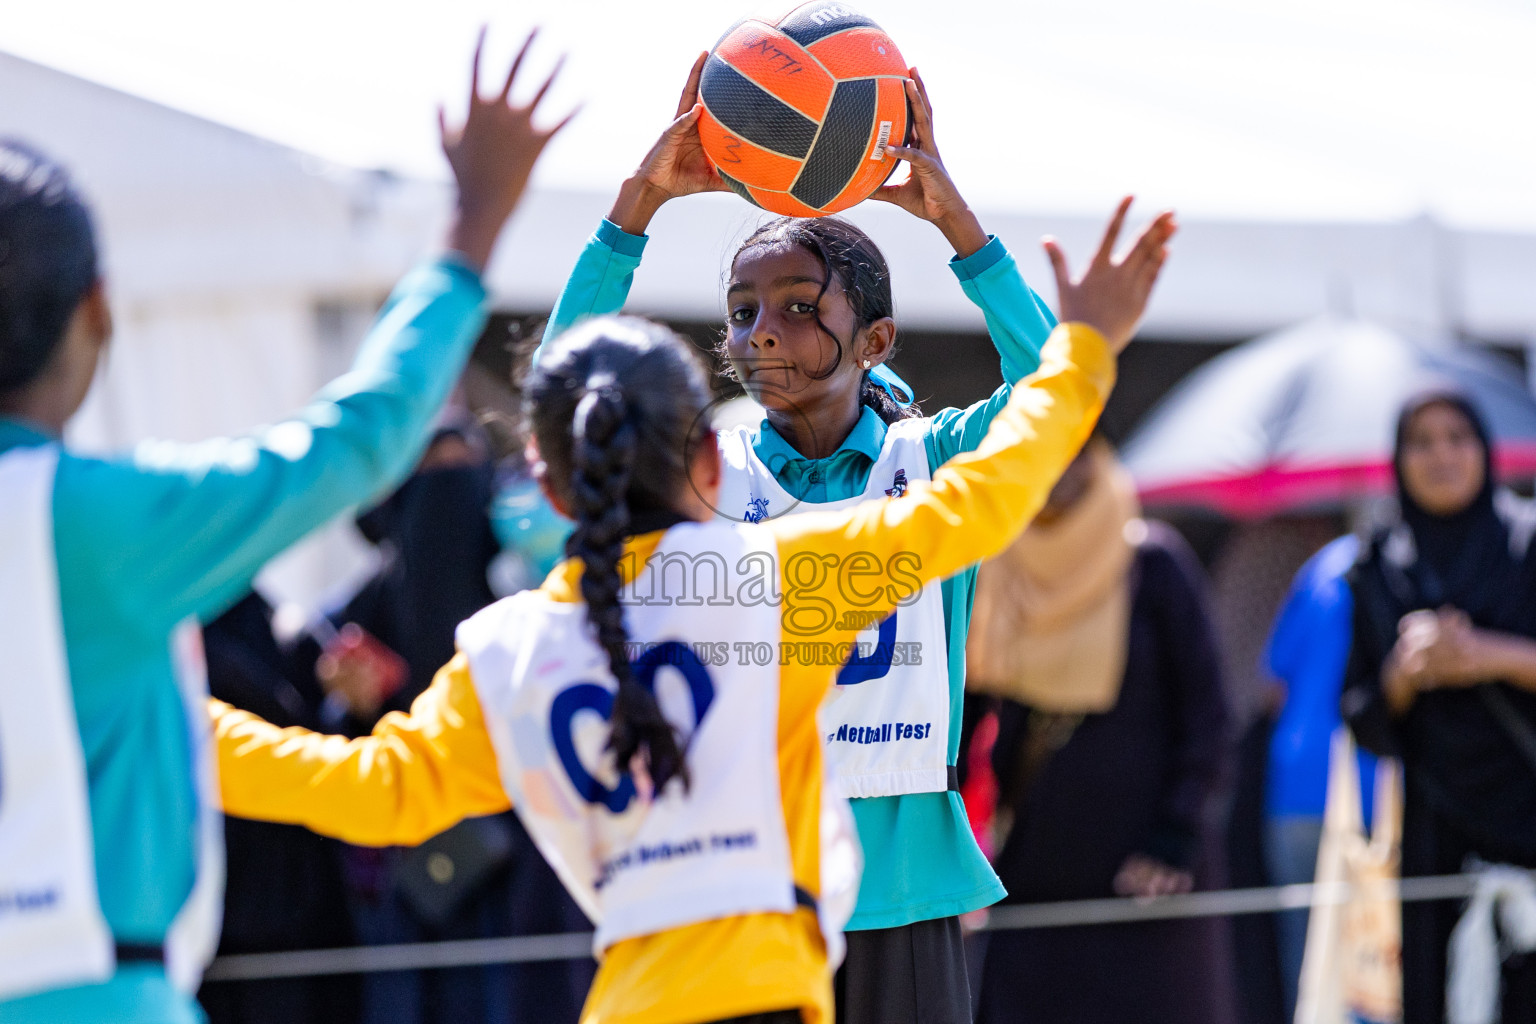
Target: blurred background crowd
{"x": 1292, "y": 519}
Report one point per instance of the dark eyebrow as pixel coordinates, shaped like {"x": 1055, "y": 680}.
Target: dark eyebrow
{"x": 781, "y": 282}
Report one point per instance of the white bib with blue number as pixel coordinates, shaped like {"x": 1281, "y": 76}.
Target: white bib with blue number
{"x": 638, "y": 866}
{"x": 52, "y": 931}
{"x": 888, "y": 717}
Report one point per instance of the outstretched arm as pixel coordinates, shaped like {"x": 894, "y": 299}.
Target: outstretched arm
{"x": 190, "y": 525}
{"x": 415, "y": 776}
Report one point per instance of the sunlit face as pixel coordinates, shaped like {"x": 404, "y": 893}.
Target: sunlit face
{"x": 1442, "y": 462}
{"x": 772, "y": 340}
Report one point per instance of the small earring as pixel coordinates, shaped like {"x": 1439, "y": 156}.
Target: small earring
{"x": 866, "y": 364}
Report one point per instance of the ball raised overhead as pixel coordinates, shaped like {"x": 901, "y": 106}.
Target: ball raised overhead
{"x": 798, "y": 109}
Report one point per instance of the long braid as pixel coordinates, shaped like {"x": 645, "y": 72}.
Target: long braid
{"x": 603, "y": 450}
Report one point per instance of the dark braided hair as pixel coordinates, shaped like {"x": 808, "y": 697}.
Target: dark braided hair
{"x": 47, "y": 261}
{"x": 852, "y": 257}
{"x": 618, "y": 406}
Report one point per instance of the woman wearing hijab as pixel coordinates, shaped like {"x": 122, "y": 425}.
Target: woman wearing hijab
{"x": 1442, "y": 674}
{"x": 1113, "y": 736}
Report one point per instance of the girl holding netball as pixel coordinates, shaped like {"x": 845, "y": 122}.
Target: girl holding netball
{"x": 717, "y": 867}
{"x": 809, "y": 328}
{"x": 111, "y": 863}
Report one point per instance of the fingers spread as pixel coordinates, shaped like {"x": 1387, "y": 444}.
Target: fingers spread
{"x": 567, "y": 119}
{"x": 538, "y": 97}
{"x": 474, "y": 66}
{"x": 1147, "y": 274}
{"x": 517, "y": 62}
{"x": 1058, "y": 263}
{"x": 1112, "y": 233}
{"x": 1152, "y": 238}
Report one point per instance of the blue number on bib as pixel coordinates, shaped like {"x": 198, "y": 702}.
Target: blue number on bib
{"x": 592, "y": 697}
{"x": 562, "y": 714}
{"x": 876, "y": 664}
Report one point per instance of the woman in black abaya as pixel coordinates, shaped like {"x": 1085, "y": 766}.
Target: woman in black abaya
{"x": 1443, "y": 674}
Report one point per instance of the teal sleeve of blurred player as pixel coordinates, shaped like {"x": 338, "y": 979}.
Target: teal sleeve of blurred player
{"x": 177, "y": 530}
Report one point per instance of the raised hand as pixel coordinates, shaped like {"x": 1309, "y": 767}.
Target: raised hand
{"x": 492, "y": 155}
{"x": 929, "y": 192}
{"x": 1111, "y": 295}
{"x": 676, "y": 166}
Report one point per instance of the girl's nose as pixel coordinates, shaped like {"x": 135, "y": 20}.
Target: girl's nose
{"x": 763, "y": 335}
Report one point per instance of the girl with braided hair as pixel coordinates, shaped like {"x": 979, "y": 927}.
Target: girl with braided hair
{"x": 810, "y": 330}
{"x": 651, "y": 710}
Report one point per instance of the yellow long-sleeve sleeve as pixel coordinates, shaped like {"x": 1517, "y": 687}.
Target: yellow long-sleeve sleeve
{"x": 856, "y": 564}
{"x": 415, "y": 776}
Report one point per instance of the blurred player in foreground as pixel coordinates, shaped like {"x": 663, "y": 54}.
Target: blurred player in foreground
{"x": 111, "y": 867}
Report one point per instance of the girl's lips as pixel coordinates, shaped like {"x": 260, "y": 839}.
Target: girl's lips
{"x": 757, "y": 368}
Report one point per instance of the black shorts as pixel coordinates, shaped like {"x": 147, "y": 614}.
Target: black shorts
{"x": 772, "y": 1017}
{"x": 914, "y": 974}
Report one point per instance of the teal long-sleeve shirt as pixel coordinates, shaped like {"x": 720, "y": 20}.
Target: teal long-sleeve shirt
{"x": 177, "y": 530}
{"x": 920, "y": 860}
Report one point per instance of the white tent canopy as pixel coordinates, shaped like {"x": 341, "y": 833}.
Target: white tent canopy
{"x": 241, "y": 273}
{"x": 1305, "y": 110}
